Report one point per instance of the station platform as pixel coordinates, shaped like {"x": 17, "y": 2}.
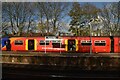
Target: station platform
{"x": 57, "y": 54}
{"x": 99, "y": 61}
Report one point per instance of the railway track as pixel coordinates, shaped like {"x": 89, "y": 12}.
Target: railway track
{"x": 37, "y": 72}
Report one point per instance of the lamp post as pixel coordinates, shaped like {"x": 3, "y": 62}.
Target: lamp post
{"x": 118, "y": 14}
{"x": 45, "y": 44}
{"x": 90, "y": 38}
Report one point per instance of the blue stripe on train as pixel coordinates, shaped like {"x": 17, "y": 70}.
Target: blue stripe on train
{"x": 3, "y": 41}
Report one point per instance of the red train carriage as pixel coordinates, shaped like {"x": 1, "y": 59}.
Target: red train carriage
{"x": 99, "y": 44}
{"x": 65, "y": 44}
{"x": 52, "y": 44}
{"x": 116, "y": 44}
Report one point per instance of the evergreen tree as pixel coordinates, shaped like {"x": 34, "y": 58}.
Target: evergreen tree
{"x": 75, "y": 14}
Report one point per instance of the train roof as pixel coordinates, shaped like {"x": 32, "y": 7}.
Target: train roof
{"x": 59, "y": 36}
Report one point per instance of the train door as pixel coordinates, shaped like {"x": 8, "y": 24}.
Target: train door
{"x": 8, "y": 45}
{"x": 112, "y": 44}
{"x": 31, "y": 44}
{"x": 72, "y": 45}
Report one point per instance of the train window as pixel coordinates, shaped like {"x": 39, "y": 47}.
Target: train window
{"x": 97, "y": 41}
{"x": 63, "y": 46}
{"x": 18, "y": 42}
{"x": 56, "y": 41}
{"x": 119, "y": 43}
{"x": 42, "y": 42}
{"x": 100, "y": 43}
{"x": 85, "y": 42}
{"x": 57, "y": 44}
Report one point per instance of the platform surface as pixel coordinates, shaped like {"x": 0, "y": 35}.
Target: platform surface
{"x": 55, "y": 54}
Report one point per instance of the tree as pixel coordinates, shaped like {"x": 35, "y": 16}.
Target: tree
{"x": 17, "y": 14}
{"x": 58, "y": 10}
{"x": 45, "y": 8}
{"x": 90, "y": 11}
{"x": 82, "y": 14}
{"x": 118, "y": 21}
{"x": 41, "y": 28}
{"x": 41, "y": 16}
{"x": 75, "y": 14}
{"x": 111, "y": 19}
{"x": 7, "y": 15}
{"x": 52, "y": 13}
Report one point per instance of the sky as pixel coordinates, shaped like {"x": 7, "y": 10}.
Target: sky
{"x": 99, "y": 4}
{"x": 60, "y": 0}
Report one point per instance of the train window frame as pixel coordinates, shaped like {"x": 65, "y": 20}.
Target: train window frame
{"x": 57, "y": 42}
{"x": 100, "y": 43}
{"x": 43, "y": 42}
{"x": 20, "y": 42}
{"x": 86, "y": 42}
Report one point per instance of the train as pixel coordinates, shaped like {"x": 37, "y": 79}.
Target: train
{"x": 77, "y": 44}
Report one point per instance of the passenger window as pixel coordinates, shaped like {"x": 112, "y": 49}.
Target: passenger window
{"x": 85, "y": 42}
{"x": 100, "y": 43}
{"x": 42, "y": 42}
{"x": 56, "y": 41}
{"x": 57, "y": 44}
{"x": 18, "y": 42}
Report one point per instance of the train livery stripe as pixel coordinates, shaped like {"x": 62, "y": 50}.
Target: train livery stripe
{"x": 35, "y": 44}
{"x": 76, "y": 44}
{"x": 66, "y": 43}
{"x": 11, "y": 42}
{"x": 26, "y": 46}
